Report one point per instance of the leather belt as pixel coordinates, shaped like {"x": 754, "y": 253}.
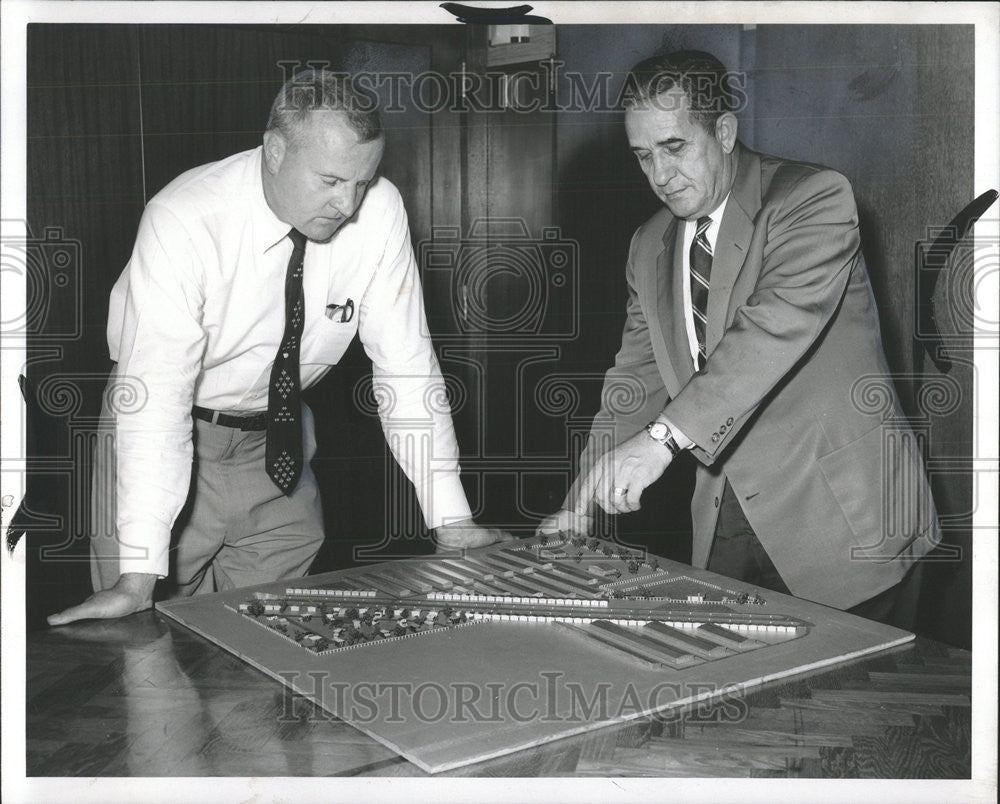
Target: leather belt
{"x": 253, "y": 421}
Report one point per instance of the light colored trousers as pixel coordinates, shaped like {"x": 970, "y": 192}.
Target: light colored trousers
{"x": 237, "y": 529}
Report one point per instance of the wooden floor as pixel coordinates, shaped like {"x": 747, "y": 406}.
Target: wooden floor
{"x": 145, "y": 697}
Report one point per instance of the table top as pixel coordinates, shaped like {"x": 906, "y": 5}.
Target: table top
{"x": 142, "y": 696}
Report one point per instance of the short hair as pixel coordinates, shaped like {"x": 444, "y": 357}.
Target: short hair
{"x": 702, "y": 77}
{"x": 317, "y": 90}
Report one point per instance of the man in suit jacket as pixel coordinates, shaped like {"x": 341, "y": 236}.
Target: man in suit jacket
{"x": 753, "y": 340}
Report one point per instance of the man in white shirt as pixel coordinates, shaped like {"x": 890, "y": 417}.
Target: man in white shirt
{"x": 249, "y": 279}
{"x": 751, "y": 328}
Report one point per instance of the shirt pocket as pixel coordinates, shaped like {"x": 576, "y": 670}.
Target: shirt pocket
{"x": 327, "y": 341}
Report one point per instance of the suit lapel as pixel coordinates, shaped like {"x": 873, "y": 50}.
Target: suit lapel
{"x": 661, "y": 291}
{"x": 664, "y": 286}
{"x": 673, "y": 307}
{"x": 731, "y": 245}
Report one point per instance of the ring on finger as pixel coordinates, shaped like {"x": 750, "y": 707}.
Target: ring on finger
{"x": 620, "y": 492}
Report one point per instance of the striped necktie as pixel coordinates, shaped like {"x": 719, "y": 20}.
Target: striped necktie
{"x": 701, "y": 272}
{"x": 283, "y": 454}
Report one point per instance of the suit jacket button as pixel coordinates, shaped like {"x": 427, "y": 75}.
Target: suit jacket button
{"x": 716, "y": 502}
{"x": 715, "y": 438}
{"x": 729, "y": 421}
{"x": 722, "y": 429}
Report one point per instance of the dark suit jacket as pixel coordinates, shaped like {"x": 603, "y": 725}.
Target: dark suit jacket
{"x": 794, "y": 406}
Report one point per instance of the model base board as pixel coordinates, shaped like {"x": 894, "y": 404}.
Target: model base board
{"x": 455, "y": 659}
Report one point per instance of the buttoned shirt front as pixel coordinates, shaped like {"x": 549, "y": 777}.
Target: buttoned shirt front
{"x": 197, "y": 316}
{"x": 712, "y": 234}
{"x": 688, "y": 232}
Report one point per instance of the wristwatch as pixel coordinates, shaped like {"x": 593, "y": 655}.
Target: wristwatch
{"x": 660, "y": 432}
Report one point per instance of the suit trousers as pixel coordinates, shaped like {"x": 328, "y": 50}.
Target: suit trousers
{"x": 737, "y": 553}
{"x": 236, "y": 528}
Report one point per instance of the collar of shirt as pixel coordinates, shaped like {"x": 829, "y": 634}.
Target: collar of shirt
{"x": 690, "y": 227}
{"x": 268, "y": 228}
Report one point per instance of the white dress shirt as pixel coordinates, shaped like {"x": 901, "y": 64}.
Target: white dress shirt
{"x": 197, "y": 316}
{"x": 689, "y": 231}
{"x": 712, "y": 233}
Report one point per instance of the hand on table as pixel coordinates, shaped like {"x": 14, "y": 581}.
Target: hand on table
{"x": 133, "y": 592}
{"x": 465, "y": 534}
{"x": 619, "y": 477}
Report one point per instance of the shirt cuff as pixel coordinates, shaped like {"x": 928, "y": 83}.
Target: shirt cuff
{"x": 443, "y": 500}
{"x": 138, "y": 552}
{"x": 682, "y": 440}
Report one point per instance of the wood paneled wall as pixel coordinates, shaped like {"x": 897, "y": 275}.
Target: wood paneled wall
{"x": 85, "y": 179}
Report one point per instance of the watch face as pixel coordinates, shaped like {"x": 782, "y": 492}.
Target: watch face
{"x": 658, "y": 430}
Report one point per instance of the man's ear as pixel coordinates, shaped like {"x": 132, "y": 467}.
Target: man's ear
{"x": 725, "y": 131}
{"x": 275, "y": 147}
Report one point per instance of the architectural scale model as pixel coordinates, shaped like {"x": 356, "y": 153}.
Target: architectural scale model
{"x": 455, "y": 659}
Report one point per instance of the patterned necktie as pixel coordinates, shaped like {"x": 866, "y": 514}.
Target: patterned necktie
{"x": 701, "y": 272}
{"x": 283, "y": 456}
